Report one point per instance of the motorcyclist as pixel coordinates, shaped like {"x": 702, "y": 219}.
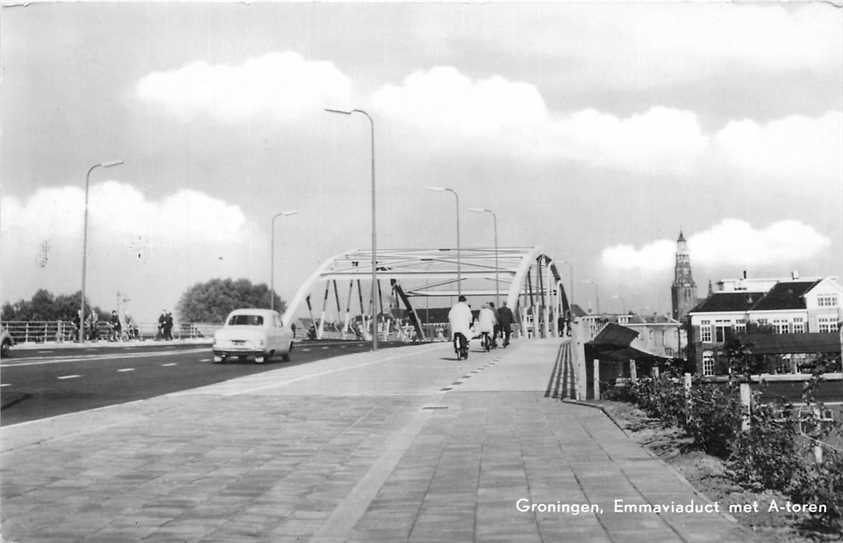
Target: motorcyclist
{"x": 460, "y": 318}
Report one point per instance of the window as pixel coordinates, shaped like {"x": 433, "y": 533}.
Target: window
{"x": 781, "y": 326}
{"x": 623, "y": 319}
{"x": 705, "y": 331}
{"x": 708, "y": 363}
{"x": 740, "y": 326}
{"x": 245, "y": 320}
{"x": 827, "y": 324}
{"x": 720, "y": 330}
{"x": 827, "y": 300}
{"x": 798, "y": 325}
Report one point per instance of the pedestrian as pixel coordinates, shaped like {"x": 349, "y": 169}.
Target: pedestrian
{"x": 293, "y": 329}
{"x": 168, "y": 326}
{"x": 496, "y": 332}
{"x": 162, "y": 320}
{"x": 116, "y": 329}
{"x": 505, "y": 320}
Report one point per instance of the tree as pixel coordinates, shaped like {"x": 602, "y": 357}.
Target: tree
{"x": 213, "y": 300}
{"x": 44, "y": 306}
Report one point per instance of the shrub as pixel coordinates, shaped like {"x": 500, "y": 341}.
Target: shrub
{"x": 821, "y": 484}
{"x": 714, "y": 418}
{"x": 766, "y": 456}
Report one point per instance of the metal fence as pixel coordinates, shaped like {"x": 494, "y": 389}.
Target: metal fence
{"x": 66, "y": 331}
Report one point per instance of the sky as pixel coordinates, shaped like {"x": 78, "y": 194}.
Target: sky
{"x": 596, "y": 131}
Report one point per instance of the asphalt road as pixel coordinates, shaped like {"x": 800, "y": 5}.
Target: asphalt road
{"x": 44, "y": 383}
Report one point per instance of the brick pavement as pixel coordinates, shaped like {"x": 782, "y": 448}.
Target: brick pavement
{"x": 364, "y": 448}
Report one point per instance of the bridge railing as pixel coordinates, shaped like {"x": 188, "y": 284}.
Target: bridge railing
{"x": 60, "y": 331}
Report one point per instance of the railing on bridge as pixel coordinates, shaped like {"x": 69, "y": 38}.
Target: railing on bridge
{"x": 66, "y": 331}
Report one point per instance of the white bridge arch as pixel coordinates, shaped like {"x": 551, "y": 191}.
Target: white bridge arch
{"x": 525, "y": 278}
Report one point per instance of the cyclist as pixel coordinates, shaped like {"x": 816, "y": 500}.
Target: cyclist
{"x": 460, "y": 319}
{"x": 487, "y": 323}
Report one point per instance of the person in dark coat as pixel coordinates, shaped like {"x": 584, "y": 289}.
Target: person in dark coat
{"x": 505, "y": 320}
{"x": 168, "y": 326}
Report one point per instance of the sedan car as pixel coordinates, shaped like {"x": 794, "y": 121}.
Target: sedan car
{"x": 257, "y": 334}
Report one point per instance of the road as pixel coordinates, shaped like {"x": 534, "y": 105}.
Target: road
{"x": 42, "y": 383}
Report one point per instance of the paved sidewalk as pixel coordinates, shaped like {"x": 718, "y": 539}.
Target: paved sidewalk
{"x": 400, "y": 445}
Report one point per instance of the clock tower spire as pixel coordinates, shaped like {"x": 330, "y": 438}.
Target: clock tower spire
{"x": 683, "y": 292}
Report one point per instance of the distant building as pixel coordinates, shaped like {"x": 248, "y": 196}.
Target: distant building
{"x": 788, "y": 306}
{"x": 683, "y": 292}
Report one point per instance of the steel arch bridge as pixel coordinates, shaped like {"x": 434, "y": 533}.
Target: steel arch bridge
{"x": 525, "y": 278}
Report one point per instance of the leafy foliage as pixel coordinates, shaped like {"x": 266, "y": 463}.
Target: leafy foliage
{"x": 45, "y": 306}
{"x": 212, "y": 300}
{"x": 714, "y": 418}
{"x": 821, "y": 484}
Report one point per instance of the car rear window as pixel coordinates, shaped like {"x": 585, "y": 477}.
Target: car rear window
{"x": 245, "y": 320}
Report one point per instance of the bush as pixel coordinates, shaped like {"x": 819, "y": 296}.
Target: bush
{"x": 766, "y": 456}
{"x": 821, "y": 484}
{"x": 714, "y": 418}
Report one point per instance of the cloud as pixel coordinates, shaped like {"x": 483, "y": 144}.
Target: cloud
{"x": 796, "y": 148}
{"x": 282, "y": 84}
{"x": 732, "y": 242}
{"x": 150, "y": 249}
{"x": 498, "y": 115}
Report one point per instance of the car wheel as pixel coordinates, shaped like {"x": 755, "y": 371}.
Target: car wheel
{"x": 259, "y": 359}
{"x": 218, "y": 359}
{"x": 4, "y": 349}
{"x": 286, "y": 356}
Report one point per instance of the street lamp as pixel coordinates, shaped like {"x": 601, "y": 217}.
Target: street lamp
{"x": 272, "y": 256}
{"x": 85, "y": 241}
{"x": 596, "y": 292}
{"x": 497, "y": 268}
{"x": 375, "y": 295}
{"x": 459, "y": 265}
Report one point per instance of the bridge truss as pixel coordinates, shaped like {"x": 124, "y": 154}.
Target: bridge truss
{"x": 525, "y": 278}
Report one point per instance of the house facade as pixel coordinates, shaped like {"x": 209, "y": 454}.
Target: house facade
{"x": 791, "y": 306}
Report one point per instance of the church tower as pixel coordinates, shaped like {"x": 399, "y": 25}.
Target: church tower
{"x": 683, "y": 293}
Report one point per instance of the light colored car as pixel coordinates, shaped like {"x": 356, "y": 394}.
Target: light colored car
{"x": 258, "y": 334}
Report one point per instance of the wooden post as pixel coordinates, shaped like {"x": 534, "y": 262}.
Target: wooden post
{"x": 818, "y": 453}
{"x": 746, "y": 398}
{"x": 633, "y": 370}
{"x": 686, "y": 381}
{"x": 655, "y": 372}
{"x": 596, "y": 382}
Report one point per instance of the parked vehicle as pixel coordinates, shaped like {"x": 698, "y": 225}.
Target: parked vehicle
{"x": 6, "y": 342}
{"x": 258, "y": 334}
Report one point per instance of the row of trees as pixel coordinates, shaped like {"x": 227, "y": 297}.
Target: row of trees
{"x": 208, "y": 302}
{"x": 45, "y": 306}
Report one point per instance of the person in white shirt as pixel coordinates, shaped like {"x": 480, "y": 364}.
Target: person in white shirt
{"x": 487, "y": 321}
{"x": 459, "y": 318}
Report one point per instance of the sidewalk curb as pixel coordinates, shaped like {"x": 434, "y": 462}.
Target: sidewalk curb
{"x": 668, "y": 466}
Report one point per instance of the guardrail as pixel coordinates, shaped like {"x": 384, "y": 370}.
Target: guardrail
{"x": 66, "y": 331}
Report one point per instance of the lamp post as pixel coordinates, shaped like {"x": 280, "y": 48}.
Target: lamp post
{"x": 459, "y": 259}
{"x": 375, "y": 295}
{"x": 596, "y": 292}
{"x": 497, "y": 268}
{"x": 85, "y": 241}
{"x": 272, "y": 256}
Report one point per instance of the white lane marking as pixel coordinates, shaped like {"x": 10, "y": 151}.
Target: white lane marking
{"x": 325, "y": 348}
{"x": 113, "y": 356}
{"x": 168, "y": 364}
{"x": 124, "y": 370}
{"x": 45, "y": 351}
{"x": 63, "y": 377}
{"x": 305, "y": 350}
{"x": 5, "y": 385}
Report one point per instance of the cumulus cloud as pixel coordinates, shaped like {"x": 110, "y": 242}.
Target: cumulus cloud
{"x": 729, "y": 243}
{"x": 149, "y": 249}
{"x": 282, "y": 84}
{"x": 447, "y": 107}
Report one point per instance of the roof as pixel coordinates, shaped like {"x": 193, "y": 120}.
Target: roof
{"x": 793, "y": 343}
{"x": 728, "y": 301}
{"x": 577, "y": 311}
{"x": 616, "y": 335}
{"x": 785, "y": 295}
{"x": 613, "y": 343}
{"x": 681, "y": 236}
